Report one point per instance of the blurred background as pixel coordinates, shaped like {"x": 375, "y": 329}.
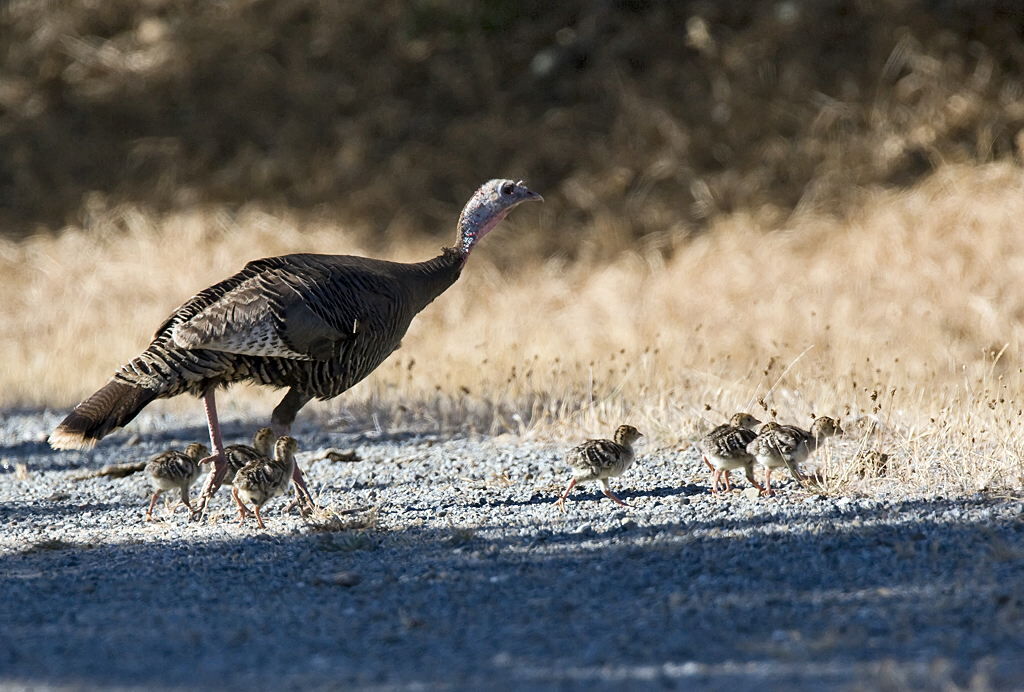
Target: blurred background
{"x": 382, "y": 114}
{"x": 794, "y": 207}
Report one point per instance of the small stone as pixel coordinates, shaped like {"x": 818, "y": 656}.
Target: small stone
{"x": 346, "y": 579}
{"x": 751, "y": 493}
{"x": 685, "y": 501}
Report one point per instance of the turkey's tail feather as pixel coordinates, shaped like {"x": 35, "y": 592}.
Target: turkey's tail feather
{"x": 112, "y": 407}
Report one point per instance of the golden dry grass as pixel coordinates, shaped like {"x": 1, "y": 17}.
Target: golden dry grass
{"x": 904, "y": 318}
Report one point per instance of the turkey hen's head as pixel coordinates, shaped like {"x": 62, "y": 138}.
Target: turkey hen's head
{"x": 488, "y": 206}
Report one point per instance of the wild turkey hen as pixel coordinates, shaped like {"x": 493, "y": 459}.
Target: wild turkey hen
{"x": 316, "y": 324}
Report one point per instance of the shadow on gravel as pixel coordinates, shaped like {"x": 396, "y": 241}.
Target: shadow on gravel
{"x": 587, "y": 495}
{"x": 876, "y": 600}
{"x": 64, "y": 505}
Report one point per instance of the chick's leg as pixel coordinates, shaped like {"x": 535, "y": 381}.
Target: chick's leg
{"x": 152, "y": 503}
{"x": 561, "y": 500}
{"x": 608, "y": 492}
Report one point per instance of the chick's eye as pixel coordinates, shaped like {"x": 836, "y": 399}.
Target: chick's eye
{"x": 507, "y": 188}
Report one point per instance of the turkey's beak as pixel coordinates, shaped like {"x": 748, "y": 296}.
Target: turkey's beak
{"x": 531, "y": 196}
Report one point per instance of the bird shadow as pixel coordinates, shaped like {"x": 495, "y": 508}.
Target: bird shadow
{"x": 589, "y": 495}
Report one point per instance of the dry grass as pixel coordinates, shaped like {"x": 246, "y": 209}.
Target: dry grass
{"x": 904, "y": 318}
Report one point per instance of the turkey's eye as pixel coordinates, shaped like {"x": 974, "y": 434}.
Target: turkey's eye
{"x": 507, "y": 188}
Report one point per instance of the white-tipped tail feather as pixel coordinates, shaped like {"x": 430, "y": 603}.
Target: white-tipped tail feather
{"x": 112, "y": 406}
{"x": 65, "y": 439}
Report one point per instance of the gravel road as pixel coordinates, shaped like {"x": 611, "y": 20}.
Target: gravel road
{"x": 445, "y": 565}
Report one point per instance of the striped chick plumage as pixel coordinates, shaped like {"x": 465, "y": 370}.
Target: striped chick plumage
{"x": 240, "y": 455}
{"x": 725, "y": 448}
{"x": 263, "y": 479}
{"x": 174, "y": 470}
{"x": 777, "y": 446}
{"x": 600, "y": 460}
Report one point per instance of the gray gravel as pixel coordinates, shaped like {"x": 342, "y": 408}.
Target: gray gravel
{"x": 469, "y": 576}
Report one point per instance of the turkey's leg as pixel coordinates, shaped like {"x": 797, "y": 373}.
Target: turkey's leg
{"x": 220, "y": 462}
{"x": 281, "y": 423}
{"x": 284, "y": 414}
{"x": 302, "y": 494}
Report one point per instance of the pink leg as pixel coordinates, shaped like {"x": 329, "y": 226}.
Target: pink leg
{"x": 715, "y": 473}
{"x": 708, "y": 464}
{"x": 608, "y": 493}
{"x": 561, "y": 501}
{"x": 242, "y": 511}
{"x": 748, "y": 471}
{"x": 184, "y": 500}
{"x": 259, "y": 519}
{"x": 302, "y": 494}
{"x": 152, "y": 503}
{"x": 768, "y": 483}
{"x": 728, "y": 484}
{"x": 220, "y": 462}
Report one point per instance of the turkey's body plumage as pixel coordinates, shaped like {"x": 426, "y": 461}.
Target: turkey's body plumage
{"x": 318, "y": 323}
{"x": 315, "y": 323}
